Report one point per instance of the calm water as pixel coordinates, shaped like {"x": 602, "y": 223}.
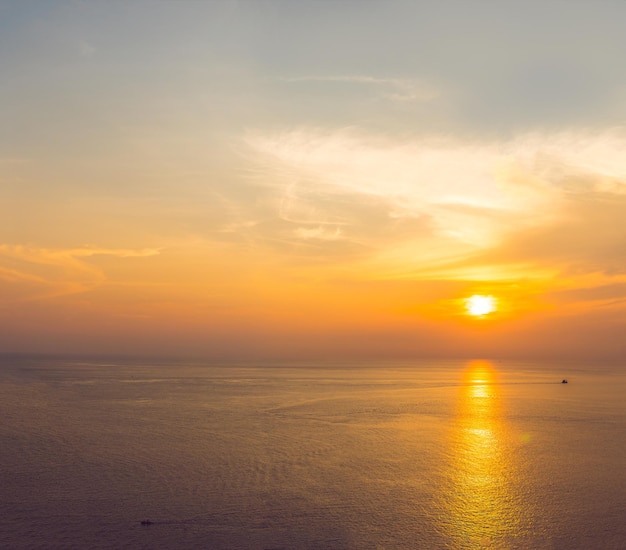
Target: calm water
{"x": 414, "y": 455}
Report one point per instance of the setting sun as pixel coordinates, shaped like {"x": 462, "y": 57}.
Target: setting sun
{"x": 479, "y": 305}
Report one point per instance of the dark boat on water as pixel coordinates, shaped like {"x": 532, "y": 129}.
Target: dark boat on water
{"x": 564, "y": 381}
{"x": 146, "y": 522}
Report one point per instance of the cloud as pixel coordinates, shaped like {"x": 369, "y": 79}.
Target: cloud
{"x": 34, "y": 273}
{"x": 395, "y": 89}
{"x": 318, "y": 232}
{"x": 538, "y": 203}
{"x": 460, "y": 192}
{"x": 611, "y": 294}
{"x": 585, "y": 238}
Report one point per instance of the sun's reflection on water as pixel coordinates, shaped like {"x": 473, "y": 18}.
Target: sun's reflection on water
{"x": 480, "y": 506}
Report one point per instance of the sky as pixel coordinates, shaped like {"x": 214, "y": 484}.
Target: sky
{"x": 312, "y": 180}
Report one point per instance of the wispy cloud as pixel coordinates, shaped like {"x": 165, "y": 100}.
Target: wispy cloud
{"x": 527, "y": 201}
{"x": 32, "y": 272}
{"x": 465, "y": 192}
{"x": 319, "y": 232}
{"x": 395, "y": 89}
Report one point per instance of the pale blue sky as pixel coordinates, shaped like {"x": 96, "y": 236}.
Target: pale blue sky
{"x": 487, "y": 66}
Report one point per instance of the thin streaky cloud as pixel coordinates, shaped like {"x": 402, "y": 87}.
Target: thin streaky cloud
{"x": 396, "y": 89}
{"x": 57, "y": 272}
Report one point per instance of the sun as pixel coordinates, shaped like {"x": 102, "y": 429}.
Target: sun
{"x": 479, "y": 305}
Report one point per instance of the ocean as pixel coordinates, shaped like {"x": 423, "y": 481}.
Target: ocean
{"x": 378, "y": 455}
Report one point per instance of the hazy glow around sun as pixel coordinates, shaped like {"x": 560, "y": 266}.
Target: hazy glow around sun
{"x": 479, "y": 305}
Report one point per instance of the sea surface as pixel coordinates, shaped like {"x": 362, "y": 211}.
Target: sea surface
{"x": 388, "y": 455}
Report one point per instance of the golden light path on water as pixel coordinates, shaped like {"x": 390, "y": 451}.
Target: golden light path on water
{"x": 482, "y": 511}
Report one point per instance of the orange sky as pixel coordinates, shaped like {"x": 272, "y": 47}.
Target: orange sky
{"x": 213, "y": 179}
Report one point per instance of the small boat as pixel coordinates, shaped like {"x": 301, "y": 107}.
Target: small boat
{"x": 564, "y": 381}
{"x": 146, "y": 522}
